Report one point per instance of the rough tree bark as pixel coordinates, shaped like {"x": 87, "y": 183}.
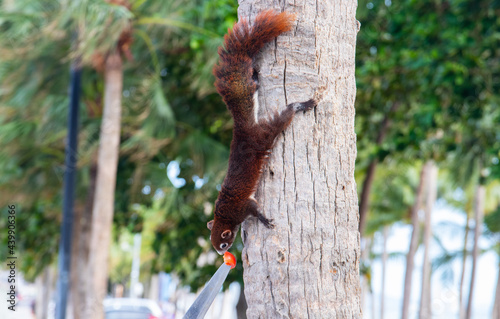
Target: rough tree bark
{"x": 308, "y": 266}
{"x": 410, "y": 257}
{"x": 478, "y": 220}
{"x": 431, "y": 195}
{"x": 102, "y": 212}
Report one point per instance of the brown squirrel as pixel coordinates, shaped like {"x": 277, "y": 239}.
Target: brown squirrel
{"x": 237, "y": 83}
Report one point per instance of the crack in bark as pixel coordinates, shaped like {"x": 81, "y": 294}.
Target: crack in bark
{"x": 288, "y": 217}
{"x": 272, "y": 295}
{"x": 305, "y": 295}
{"x": 301, "y": 237}
{"x": 320, "y": 269}
{"x": 284, "y": 83}
{"x": 313, "y": 184}
{"x": 288, "y": 213}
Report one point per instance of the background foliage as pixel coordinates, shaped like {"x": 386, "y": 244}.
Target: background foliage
{"x": 429, "y": 69}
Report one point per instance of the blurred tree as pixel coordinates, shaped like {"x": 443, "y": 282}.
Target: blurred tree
{"x": 149, "y": 117}
{"x": 104, "y": 198}
{"x": 392, "y": 199}
{"x": 492, "y": 222}
{"x": 34, "y": 76}
{"x": 160, "y": 125}
{"x": 430, "y": 199}
{"x": 435, "y": 58}
{"x": 385, "y": 234}
{"x": 414, "y": 241}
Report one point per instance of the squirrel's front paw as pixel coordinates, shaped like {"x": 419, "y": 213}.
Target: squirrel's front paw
{"x": 267, "y": 222}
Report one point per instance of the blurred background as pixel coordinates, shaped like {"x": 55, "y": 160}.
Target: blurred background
{"x": 428, "y": 172}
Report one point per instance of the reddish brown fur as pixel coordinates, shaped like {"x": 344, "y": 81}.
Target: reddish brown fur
{"x": 235, "y": 69}
{"x": 252, "y": 142}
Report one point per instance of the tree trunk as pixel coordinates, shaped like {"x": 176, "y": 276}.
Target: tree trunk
{"x": 462, "y": 276}
{"x": 410, "y": 257}
{"x": 364, "y": 200}
{"x": 102, "y": 212}
{"x": 80, "y": 248}
{"x": 478, "y": 219}
{"x": 308, "y": 266}
{"x": 367, "y": 292}
{"x": 365, "y": 279}
{"x": 496, "y": 303}
{"x": 425, "y": 293}
{"x": 153, "y": 291}
{"x": 385, "y": 234}
{"x": 44, "y": 289}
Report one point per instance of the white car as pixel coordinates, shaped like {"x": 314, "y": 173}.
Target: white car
{"x": 132, "y": 308}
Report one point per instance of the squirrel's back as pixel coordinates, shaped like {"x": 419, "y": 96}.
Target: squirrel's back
{"x": 234, "y": 73}
{"x": 252, "y": 142}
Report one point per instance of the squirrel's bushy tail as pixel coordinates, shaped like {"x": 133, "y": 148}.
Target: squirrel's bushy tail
{"x": 234, "y": 72}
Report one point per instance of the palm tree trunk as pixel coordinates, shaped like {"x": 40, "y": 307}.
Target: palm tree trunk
{"x": 365, "y": 280}
{"x": 462, "y": 276}
{"x": 102, "y": 215}
{"x": 478, "y": 219}
{"x": 80, "y": 247}
{"x": 364, "y": 200}
{"x": 44, "y": 287}
{"x": 496, "y": 304}
{"x": 410, "y": 257}
{"x": 308, "y": 266}
{"x": 385, "y": 234}
{"x": 425, "y": 293}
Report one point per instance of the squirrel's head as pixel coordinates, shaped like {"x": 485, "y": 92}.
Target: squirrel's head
{"x": 222, "y": 235}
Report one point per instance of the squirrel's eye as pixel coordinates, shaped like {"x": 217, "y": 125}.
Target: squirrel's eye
{"x": 223, "y": 246}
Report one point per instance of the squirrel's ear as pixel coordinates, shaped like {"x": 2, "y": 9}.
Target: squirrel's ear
{"x": 210, "y": 224}
{"x": 226, "y": 233}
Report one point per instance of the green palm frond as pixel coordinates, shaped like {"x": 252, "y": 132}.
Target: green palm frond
{"x": 174, "y": 23}
{"x": 99, "y": 26}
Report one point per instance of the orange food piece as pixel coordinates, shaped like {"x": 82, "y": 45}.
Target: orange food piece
{"x": 229, "y": 259}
